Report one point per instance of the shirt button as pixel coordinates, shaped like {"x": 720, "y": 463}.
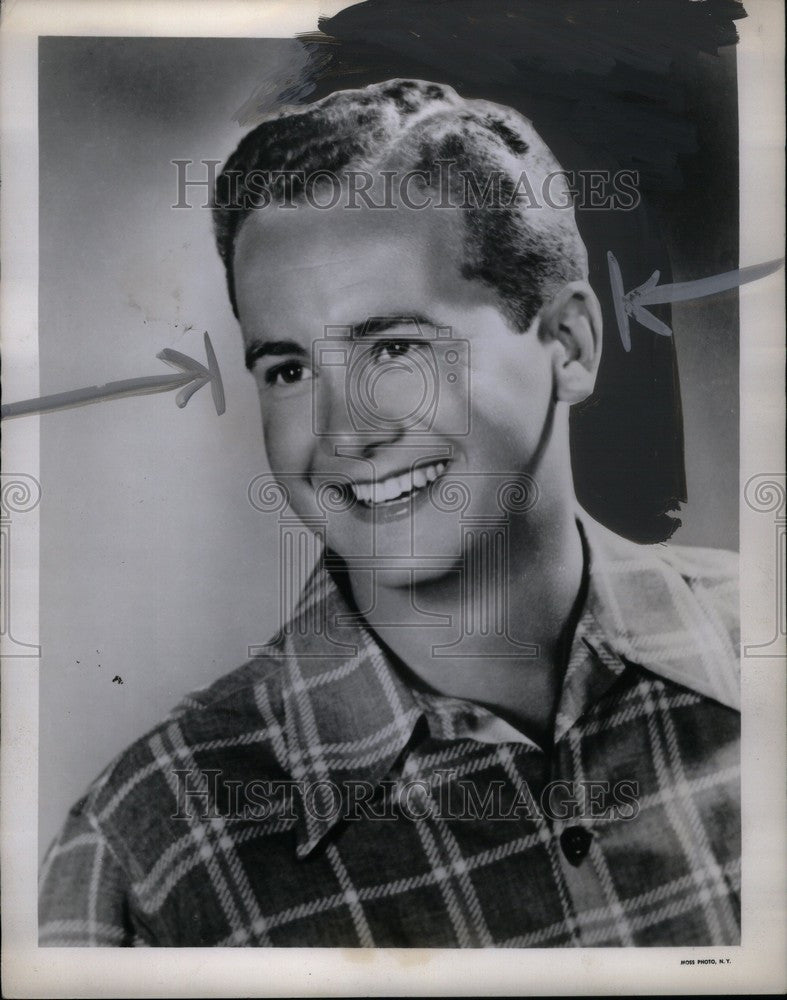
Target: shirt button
{"x": 575, "y": 842}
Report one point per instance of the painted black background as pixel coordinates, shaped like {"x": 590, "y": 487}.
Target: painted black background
{"x": 645, "y": 86}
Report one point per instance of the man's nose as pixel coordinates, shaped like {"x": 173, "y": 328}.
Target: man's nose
{"x": 342, "y": 428}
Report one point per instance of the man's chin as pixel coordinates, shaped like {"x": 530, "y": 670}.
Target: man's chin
{"x": 415, "y": 572}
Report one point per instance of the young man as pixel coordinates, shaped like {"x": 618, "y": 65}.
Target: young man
{"x": 489, "y": 721}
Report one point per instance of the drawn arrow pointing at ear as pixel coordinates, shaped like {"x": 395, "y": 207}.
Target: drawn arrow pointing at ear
{"x": 651, "y": 293}
{"x": 192, "y": 377}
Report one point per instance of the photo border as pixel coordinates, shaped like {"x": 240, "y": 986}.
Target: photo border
{"x": 758, "y": 965}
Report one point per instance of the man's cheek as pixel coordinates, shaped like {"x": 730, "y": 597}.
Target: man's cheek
{"x": 287, "y": 445}
{"x": 510, "y": 412}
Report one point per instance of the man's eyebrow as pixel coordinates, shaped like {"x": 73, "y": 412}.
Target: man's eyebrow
{"x": 257, "y": 349}
{"x": 379, "y": 324}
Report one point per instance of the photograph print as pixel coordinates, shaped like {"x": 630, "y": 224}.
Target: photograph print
{"x": 415, "y": 622}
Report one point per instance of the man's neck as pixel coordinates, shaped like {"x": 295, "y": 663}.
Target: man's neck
{"x": 511, "y": 608}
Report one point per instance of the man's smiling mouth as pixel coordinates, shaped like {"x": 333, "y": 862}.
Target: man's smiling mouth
{"x": 396, "y": 486}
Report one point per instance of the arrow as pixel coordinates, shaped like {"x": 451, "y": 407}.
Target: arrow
{"x": 192, "y": 377}
{"x": 651, "y": 293}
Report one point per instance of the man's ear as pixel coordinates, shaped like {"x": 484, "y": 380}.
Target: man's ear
{"x": 572, "y": 321}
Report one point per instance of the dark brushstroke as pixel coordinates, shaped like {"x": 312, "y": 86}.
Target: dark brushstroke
{"x": 599, "y": 73}
{"x": 610, "y": 85}
{"x": 193, "y": 376}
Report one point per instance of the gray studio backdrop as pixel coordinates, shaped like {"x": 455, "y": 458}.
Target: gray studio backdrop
{"x": 157, "y": 573}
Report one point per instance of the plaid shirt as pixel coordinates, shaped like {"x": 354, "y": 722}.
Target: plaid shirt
{"x": 454, "y": 829}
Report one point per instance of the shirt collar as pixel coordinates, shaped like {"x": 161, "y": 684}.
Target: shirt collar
{"x": 672, "y": 610}
{"x": 349, "y": 714}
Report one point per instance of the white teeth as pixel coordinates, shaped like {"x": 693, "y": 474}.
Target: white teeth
{"x": 432, "y": 472}
{"x": 395, "y": 486}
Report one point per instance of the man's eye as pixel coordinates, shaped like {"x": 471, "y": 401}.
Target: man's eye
{"x": 288, "y": 373}
{"x": 389, "y": 350}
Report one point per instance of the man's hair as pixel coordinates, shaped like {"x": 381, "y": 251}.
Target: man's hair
{"x": 524, "y": 252}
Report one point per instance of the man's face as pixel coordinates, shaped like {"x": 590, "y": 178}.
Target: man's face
{"x": 392, "y": 411}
